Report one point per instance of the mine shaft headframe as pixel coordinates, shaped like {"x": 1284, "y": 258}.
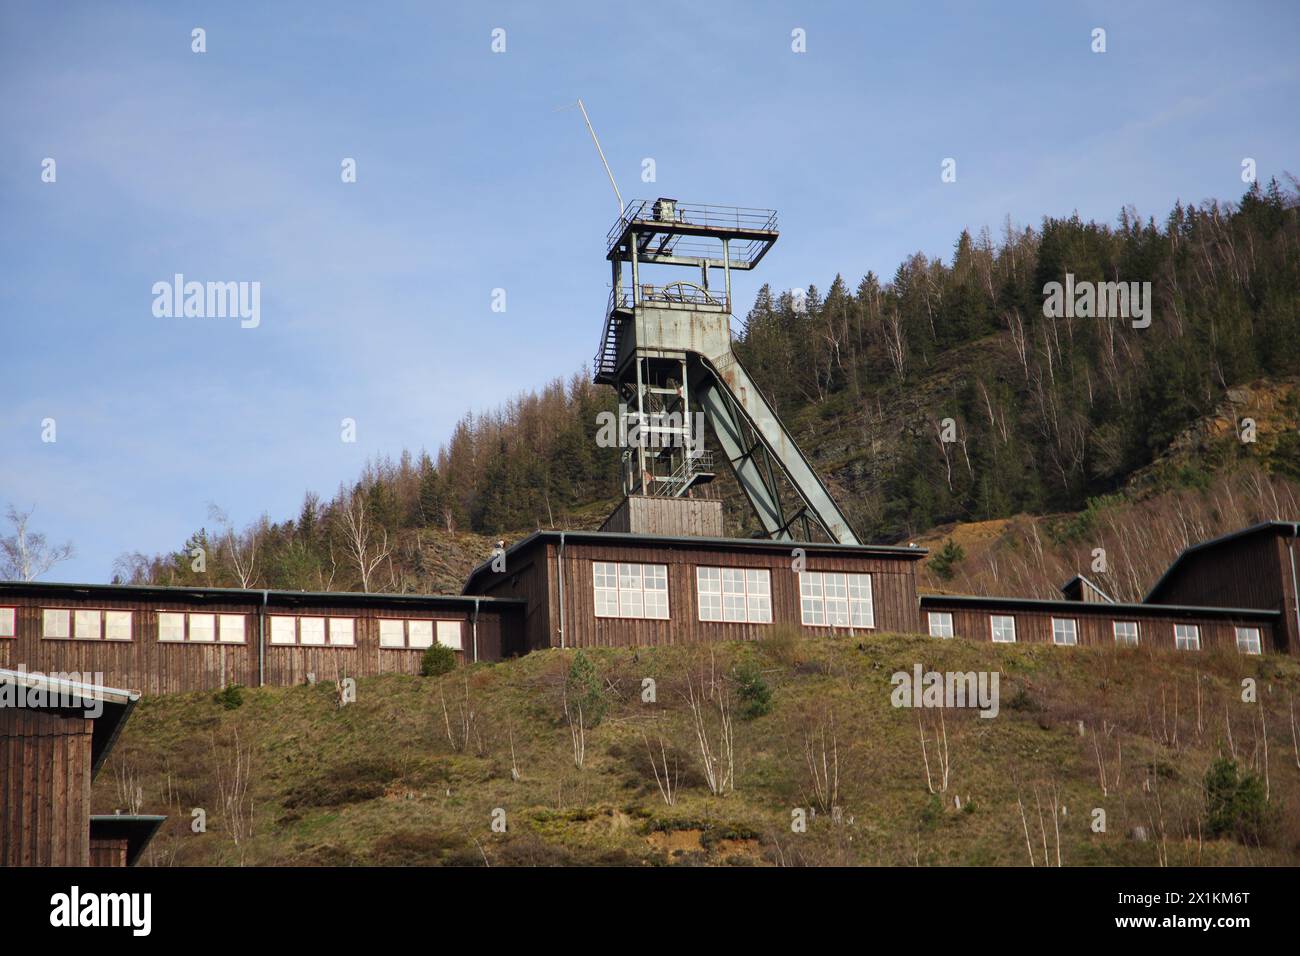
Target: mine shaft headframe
{"x": 668, "y": 232}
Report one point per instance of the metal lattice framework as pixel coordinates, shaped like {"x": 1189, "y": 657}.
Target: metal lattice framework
{"x": 667, "y": 351}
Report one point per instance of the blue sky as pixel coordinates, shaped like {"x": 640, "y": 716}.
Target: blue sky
{"x": 376, "y": 295}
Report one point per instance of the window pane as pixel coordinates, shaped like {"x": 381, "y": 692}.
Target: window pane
{"x": 282, "y": 630}
{"x": 1004, "y": 629}
{"x": 203, "y": 628}
{"x": 449, "y": 634}
{"x": 7, "y": 622}
{"x": 862, "y": 613}
{"x": 343, "y": 631}
{"x": 86, "y": 625}
{"x": 231, "y": 628}
{"x": 940, "y": 624}
{"x": 391, "y": 633}
{"x": 708, "y": 590}
{"x": 655, "y": 577}
{"x": 311, "y": 631}
{"x": 117, "y": 625}
{"x": 1064, "y": 631}
{"x": 420, "y": 633}
{"x": 1248, "y": 640}
{"x": 629, "y": 601}
{"x": 1126, "y": 633}
{"x": 171, "y": 627}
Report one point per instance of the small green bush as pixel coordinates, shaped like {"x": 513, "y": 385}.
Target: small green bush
{"x": 1236, "y": 804}
{"x": 945, "y": 561}
{"x": 437, "y": 660}
{"x": 232, "y": 698}
{"x": 755, "y": 694}
{"x": 584, "y": 690}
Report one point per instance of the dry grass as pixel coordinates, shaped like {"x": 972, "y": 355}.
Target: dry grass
{"x": 379, "y": 782}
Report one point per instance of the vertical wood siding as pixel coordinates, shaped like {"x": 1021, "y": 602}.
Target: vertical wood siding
{"x": 150, "y": 666}
{"x": 535, "y": 576}
{"x": 1095, "y": 625}
{"x": 44, "y": 789}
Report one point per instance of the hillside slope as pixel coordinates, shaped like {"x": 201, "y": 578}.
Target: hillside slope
{"x": 413, "y": 772}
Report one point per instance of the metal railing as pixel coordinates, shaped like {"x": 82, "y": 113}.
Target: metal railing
{"x": 651, "y": 212}
{"x": 674, "y": 293}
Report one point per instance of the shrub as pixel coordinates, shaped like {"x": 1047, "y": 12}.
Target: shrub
{"x": 946, "y": 559}
{"x": 782, "y": 644}
{"x": 437, "y": 660}
{"x": 1235, "y": 803}
{"x": 231, "y": 698}
{"x": 584, "y": 690}
{"x": 755, "y": 694}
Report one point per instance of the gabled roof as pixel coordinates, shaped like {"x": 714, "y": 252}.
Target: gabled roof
{"x": 136, "y": 829}
{"x": 901, "y": 552}
{"x": 61, "y": 693}
{"x": 1276, "y": 527}
{"x": 1078, "y": 583}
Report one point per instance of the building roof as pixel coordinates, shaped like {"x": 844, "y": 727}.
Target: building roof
{"x": 61, "y": 693}
{"x": 1111, "y": 610}
{"x": 1078, "y": 583}
{"x": 903, "y": 552}
{"x": 136, "y": 829}
{"x": 1277, "y": 527}
{"x": 276, "y": 598}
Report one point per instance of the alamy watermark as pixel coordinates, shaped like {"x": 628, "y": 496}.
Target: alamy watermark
{"x": 977, "y": 689}
{"x": 1103, "y": 300}
{"x": 630, "y": 429}
{"x": 63, "y": 691}
{"x": 208, "y": 300}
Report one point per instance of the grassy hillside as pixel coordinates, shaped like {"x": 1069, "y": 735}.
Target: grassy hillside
{"x": 412, "y": 772}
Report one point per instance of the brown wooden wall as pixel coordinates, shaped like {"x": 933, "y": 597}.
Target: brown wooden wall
{"x": 644, "y": 514}
{"x": 1253, "y": 571}
{"x": 535, "y": 576}
{"x": 44, "y": 788}
{"x": 150, "y": 666}
{"x": 110, "y": 853}
{"x": 1095, "y": 623}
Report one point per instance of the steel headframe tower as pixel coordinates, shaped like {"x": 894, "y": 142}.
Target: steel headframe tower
{"x": 667, "y": 351}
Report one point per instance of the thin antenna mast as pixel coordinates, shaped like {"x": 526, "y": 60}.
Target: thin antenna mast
{"x": 608, "y": 173}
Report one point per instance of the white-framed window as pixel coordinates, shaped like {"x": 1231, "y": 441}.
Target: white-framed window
{"x": 203, "y": 628}
{"x": 630, "y": 590}
{"x": 283, "y": 630}
{"x": 86, "y": 625}
{"x": 117, "y": 625}
{"x": 171, "y": 626}
{"x": 1187, "y": 637}
{"x": 449, "y": 634}
{"x": 1065, "y": 630}
{"x": 8, "y": 622}
{"x": 343, "y": 632}
{"x": 230, "y": 628}
{"x": 311, "y": 631}
{"x": 56, "y": 623}
{"x": 741, "y": 595}
{"x": 1126, "y": 633}
{"x": 836, "y": 599}
{"x": 940, "y": 624}
{"x": 392, "y": 633}
{"x": 1248, "y": 641}
{"x": 1003, "y": 628}
{"x": 419, "y": 634}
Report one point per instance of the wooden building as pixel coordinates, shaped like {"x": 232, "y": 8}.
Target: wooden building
{"x": 593, "y": 588}
{"x": 1092, "y": 622}
{"x": 1257, "y": 567}
{"x": 166, "y": 640}
{"x": 118, "y": 839}
{"x": 55, "y": 734}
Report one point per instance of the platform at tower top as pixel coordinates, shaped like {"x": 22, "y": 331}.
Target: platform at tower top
{"x": 676, "y": 233}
